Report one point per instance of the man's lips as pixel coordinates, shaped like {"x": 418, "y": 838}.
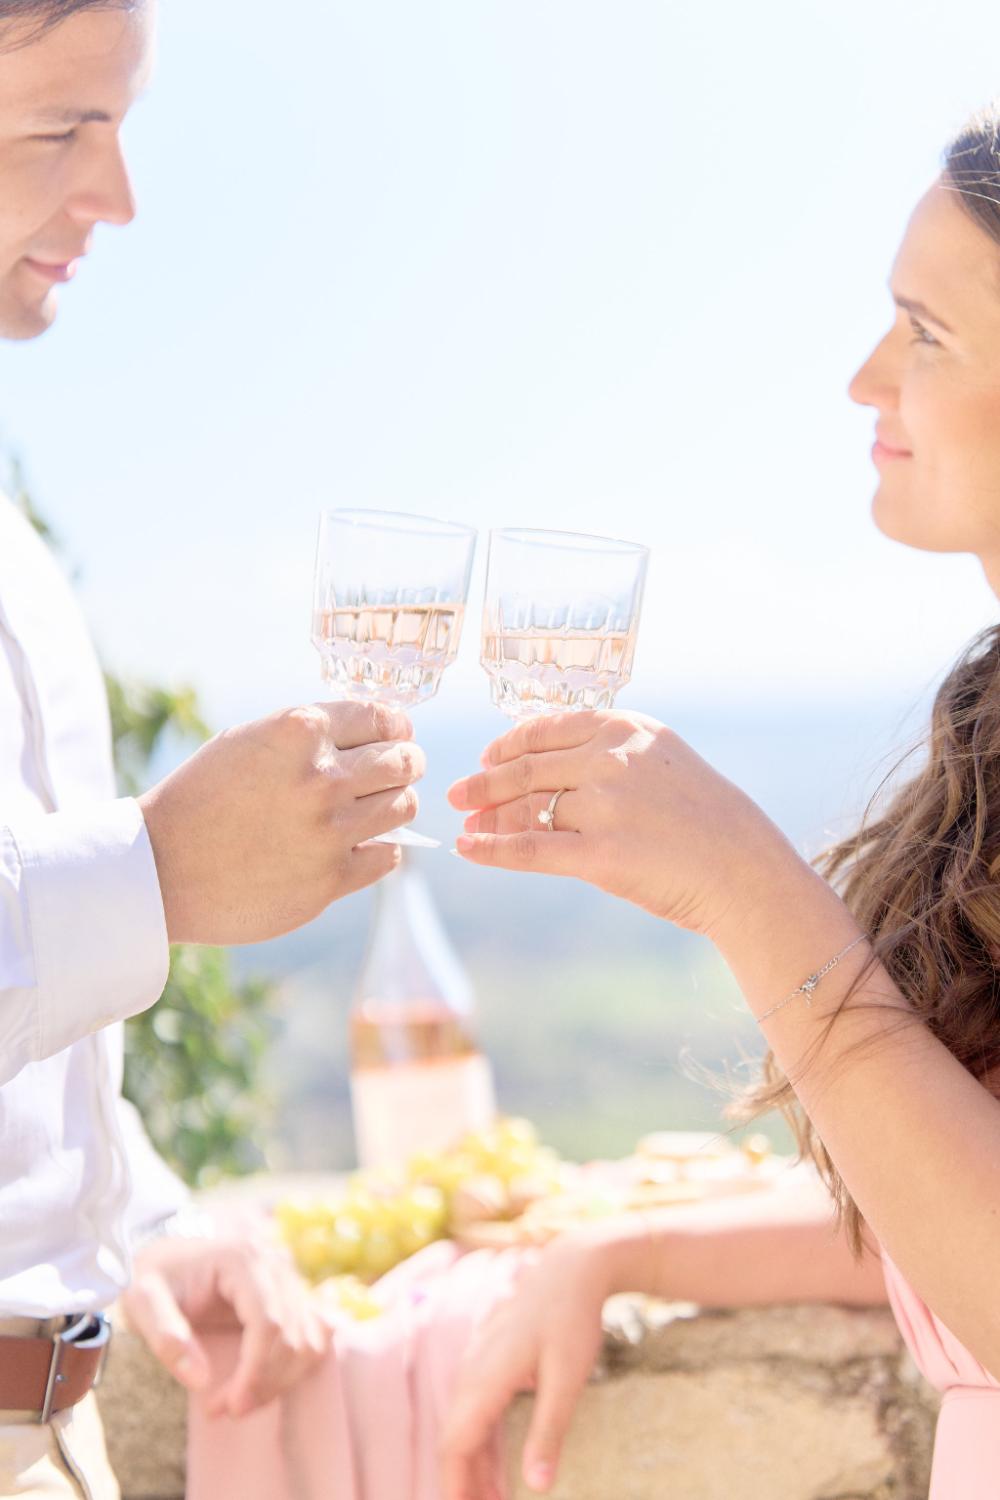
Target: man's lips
{"x": 54, "y": 271}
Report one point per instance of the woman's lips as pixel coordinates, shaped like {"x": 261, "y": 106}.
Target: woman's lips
{"x": 883, "y": 453}
{"x": 64, "y": 272}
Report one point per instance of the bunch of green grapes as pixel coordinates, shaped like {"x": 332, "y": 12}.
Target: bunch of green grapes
{"x": 367, "y": 1232}
{"x": 381, "y": 1220}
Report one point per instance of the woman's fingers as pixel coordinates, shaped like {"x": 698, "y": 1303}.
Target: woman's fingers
{"x": 544, "y": 853}
{"x": 547, "y": 732}
{"x": 556, "y": 1397}
{"x": 522, "y": 816}
{"x": 547, "y": 771}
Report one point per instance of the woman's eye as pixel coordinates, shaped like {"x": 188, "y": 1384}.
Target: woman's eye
{"x": 58, "y": 140}
{"x": 920, "y": 333}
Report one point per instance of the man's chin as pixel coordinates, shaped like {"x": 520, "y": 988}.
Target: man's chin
{"x": 20, "y": 320}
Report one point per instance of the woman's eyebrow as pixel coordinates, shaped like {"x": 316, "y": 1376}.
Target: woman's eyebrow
{"x": 918, "y": 309}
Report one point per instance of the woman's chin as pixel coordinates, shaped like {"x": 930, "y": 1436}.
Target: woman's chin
{"x": 904, "y": 523}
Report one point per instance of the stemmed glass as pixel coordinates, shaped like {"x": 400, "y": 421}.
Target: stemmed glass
{"x": 561, "y": 619}
{"x": 388, "y": 608}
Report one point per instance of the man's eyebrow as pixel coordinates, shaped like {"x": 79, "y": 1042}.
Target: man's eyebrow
{"x": 76, "y": 117}
{"x": 919, "y": 310}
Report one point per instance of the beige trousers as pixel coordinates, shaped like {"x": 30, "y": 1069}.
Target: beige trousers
{"x": 64, "y": 1460}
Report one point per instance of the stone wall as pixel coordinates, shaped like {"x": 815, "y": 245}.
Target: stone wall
{"x": 782, "y": 1403}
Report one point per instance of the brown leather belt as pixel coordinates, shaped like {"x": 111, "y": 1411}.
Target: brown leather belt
{"x": 53, "y": 1370}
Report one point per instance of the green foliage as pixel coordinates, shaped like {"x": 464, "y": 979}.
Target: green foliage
{"x": 192, "y": 1067}
{"x": 142, "y": 716}
{"x": 192, "y": 1062}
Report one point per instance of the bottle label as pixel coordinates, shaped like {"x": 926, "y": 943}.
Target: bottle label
{"x": 423, "y": 1106}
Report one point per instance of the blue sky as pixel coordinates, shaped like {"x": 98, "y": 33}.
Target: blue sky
{"x": 595, "y": 266}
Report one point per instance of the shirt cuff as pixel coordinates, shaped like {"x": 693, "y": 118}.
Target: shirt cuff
{"x": 95, "y": 913}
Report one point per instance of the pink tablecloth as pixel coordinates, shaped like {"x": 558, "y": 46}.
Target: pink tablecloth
{"x": 365, "y": 1426}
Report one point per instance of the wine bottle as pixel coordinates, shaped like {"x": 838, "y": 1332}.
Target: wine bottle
{"x": 418, "y": 1078}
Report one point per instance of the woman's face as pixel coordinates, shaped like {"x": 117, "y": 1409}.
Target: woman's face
{"x": 934, "y": 381}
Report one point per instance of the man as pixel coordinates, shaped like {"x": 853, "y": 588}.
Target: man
{"x": 253, "y": 836}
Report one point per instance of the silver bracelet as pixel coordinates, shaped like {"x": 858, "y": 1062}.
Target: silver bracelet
{"x": 807, "y": 987}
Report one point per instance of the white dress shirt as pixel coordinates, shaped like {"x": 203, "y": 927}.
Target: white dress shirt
{"x": 83, "y": 946}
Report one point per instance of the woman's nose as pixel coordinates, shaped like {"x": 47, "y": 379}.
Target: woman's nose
{"x": 877, "y": 381}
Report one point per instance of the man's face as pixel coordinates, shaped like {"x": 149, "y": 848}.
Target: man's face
{"x": 63, "y": 98}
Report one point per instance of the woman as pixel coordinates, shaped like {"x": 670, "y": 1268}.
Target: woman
{"x": 880, "y": 1004}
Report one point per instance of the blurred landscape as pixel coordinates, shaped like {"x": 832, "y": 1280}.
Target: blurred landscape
{"x": 600, "y": 1020}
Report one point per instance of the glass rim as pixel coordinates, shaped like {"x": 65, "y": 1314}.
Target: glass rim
{"x": 578, "y": 541}
{"x": 405, "y": 522}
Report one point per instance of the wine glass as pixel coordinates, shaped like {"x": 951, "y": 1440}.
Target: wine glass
{"x": 561, "y": 619}
{"x": 388, "y": 608}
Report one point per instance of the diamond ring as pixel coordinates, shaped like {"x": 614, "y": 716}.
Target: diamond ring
{"x": 547, "y": 817}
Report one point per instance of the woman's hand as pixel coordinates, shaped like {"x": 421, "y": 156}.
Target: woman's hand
{"x": 546, "y": 1336}
{"x": 643, "y": 816}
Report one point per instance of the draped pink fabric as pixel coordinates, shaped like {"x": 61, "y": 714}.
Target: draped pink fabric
{"x": 967, "y": 1444}
{"x": 365, "y": 1425}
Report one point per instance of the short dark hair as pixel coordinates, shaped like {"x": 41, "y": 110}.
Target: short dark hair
{"x": 35, "y": 17}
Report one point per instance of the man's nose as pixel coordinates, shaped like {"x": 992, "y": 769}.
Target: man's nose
{"x": 106, "y": 195}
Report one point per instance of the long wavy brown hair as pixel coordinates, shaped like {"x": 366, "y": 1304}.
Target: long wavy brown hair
{"x": 922, "y": 873}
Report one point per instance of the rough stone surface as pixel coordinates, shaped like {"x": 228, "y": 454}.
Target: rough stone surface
{"x": 733, "y": 1433}
{"x": 784, "y": 1403}
{"x": 145, "y": 1417}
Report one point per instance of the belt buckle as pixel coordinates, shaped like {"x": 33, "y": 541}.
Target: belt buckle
{"x": 82, "y": 1334}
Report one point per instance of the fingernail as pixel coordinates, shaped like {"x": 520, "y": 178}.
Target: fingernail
{"x": 539, "y": 1476}
{"x": 463, "y": 844}
{"x": 191, "y": 1371}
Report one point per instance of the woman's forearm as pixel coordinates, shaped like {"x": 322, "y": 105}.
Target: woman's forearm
{"x": 744, "y": 1252}
{"x": 914, "y": 1135}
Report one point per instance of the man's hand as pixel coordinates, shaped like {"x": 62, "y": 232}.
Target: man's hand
{"x": 182, "y": 1287}
{"x": 268, "y": 823}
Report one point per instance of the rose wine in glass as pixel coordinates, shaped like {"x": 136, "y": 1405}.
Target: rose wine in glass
{"x": 388, "y": 607}
{"x": 560, "y": 620}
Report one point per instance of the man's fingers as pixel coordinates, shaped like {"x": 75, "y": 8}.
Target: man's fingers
{"x": 546, "y": 772}
{"x": 383, "y": 811}
{"x": 354, "y": 724}
{"x": 283, "y": 1336}
{"x": 368, "y": 864}
{"x": 522, "y": 816}
{"x": 259, "y": 1373}
{"x": 544, "y": 853}
{"x": 546, "y": 732}
{"x": 154, "y": 1313}
{"x": 377, "y": 768}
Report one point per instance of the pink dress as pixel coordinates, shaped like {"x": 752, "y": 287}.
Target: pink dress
{"x": 967, "y": 1444}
